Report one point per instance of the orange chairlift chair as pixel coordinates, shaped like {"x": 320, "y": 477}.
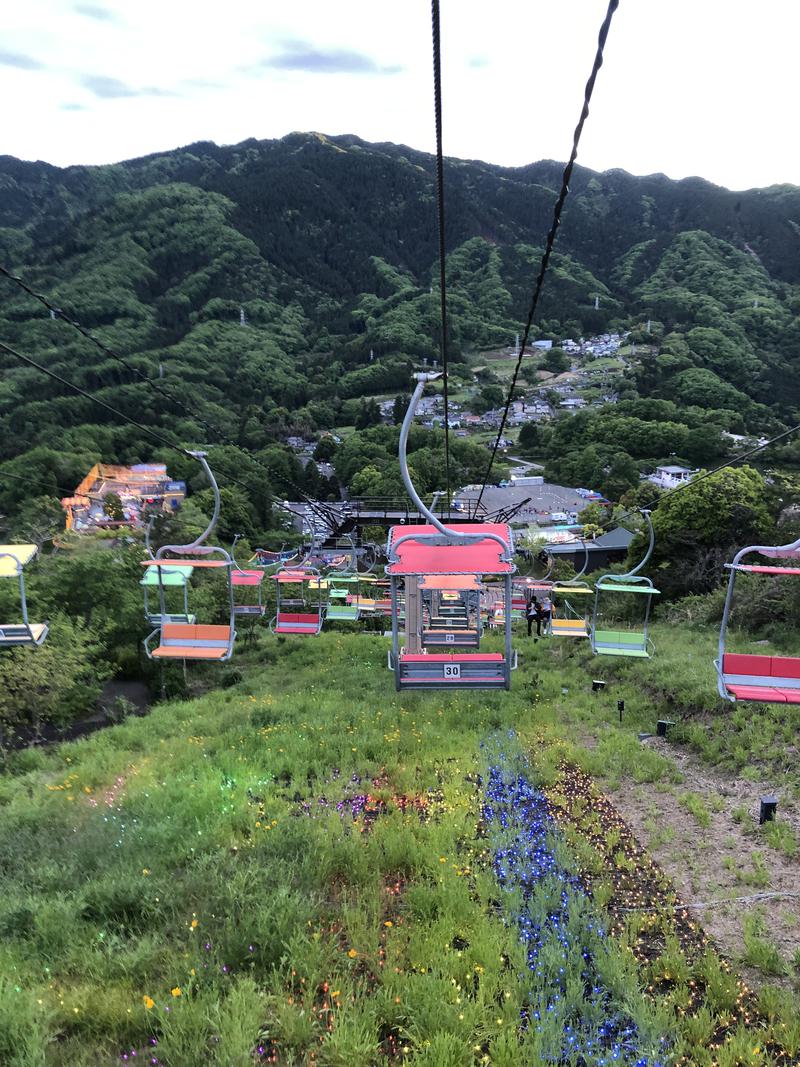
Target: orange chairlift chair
{"x": 188, "y": 640}
{"x": 435, "y": 557}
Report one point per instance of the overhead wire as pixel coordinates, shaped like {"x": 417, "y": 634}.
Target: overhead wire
{"x": 89, "y": 396}
{"x": 701, "y": 477}
{"x": 33, "y": 482}
{"x": 57, "y": 312}
{"x": 114, "y": 411}
{"x": 551, "y": 237}
{"x": 443, "y": 338}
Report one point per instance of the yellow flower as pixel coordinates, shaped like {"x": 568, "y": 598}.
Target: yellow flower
{"x": 388, "y": 923}
{"x": 145, "y": 871}
{"x": 194, "y": 924}
{"x": 352, "y": 953}
{"x": 148, "y": 1002}
{"x": 176, "y": 992}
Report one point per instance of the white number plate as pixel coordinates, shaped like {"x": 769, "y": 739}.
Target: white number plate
{"x": 452, "y": 670}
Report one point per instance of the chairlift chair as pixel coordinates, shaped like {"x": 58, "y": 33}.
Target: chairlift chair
{"x": 573, "y": 619}
{"x": 765, "y": 679}
{"x": 12, "y": 560}
{"x": 263, "y": 557}
{"x": 625, "y": 640}
{"x": 253, "y": 582}
{"x": 169, "y": 576}
{"x": 291, "y": 584}
{"x": 343, "y": 598}
{"x": 190, "y": 641}
{"x": 431, "y": 553}
{"x": 454, "y": 624}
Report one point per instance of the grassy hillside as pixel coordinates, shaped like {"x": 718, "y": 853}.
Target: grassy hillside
{"x": 307, "y": 867}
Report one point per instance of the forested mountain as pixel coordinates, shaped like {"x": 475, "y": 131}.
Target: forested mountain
{"x": 328, "y": 246}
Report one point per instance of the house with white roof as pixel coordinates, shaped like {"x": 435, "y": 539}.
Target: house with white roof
{"x": 670, "y": 476}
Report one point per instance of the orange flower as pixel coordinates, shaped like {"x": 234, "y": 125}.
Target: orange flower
{"x": 148, "y": 1002}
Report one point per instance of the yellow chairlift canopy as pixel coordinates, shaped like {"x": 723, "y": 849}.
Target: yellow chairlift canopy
{"x": 22, "y": 554}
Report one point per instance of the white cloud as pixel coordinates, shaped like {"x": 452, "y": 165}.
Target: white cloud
{"x": 683, "y": 90}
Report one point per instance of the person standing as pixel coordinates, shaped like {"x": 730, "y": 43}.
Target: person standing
{"x": 546, "y": 612}
{"x": 532, "y": 615}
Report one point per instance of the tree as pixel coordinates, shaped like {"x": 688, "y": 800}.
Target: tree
{"x": 622, "y": 474}
{"x": 556, "y": 361}
{"x": 491, "y": 396}
{"x": 705, "y": 389}
{"x": 112, "y": 507}
{"x": 698, "y": 528}
{"x": 529, "y": 436}
{"x": 312, "y": 481}
{"x": 368, "y": 415}
{"x": 326, "y": 449}
{"x": 38, "y": 520}
{"x": 592, "y": 515}
{"x": 400, "y": 407}
{"x": 235, "y": 513}
{"x": 56, "y": 683}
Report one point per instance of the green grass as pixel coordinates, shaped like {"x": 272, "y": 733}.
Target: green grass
{"x": 186, "y": 877}
{"x": 696, "y": 807}
{"x": 759, "y": 951}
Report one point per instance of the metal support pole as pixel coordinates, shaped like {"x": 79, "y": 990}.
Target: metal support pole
{"x": 413, "y": 614}
{"x": 395, "y": 632}
{"x": 507, "y": 586}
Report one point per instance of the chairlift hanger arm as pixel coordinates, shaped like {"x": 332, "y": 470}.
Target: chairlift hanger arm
{"x": 198, "y": 544}
{"x": 635, "y": 570}
{"x": 452, "y": 536}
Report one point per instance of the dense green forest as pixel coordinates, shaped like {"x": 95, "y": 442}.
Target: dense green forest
{"x": 326, "y": 247}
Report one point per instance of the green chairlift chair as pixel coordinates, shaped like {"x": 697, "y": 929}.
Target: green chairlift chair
{"x": 623, "y": 639}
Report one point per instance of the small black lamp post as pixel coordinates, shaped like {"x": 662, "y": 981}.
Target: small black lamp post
{"x": 767, "y": 810}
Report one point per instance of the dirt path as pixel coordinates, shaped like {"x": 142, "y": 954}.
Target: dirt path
{"x": 704, "y": 833}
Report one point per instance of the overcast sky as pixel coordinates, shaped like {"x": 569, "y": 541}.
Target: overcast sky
{"x": 705, "y": 87}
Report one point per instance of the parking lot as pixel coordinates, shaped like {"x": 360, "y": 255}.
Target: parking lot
{"x": 544, "y": 500}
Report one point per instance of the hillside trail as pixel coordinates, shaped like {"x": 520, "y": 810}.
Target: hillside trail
{"x": 720, "y": 852}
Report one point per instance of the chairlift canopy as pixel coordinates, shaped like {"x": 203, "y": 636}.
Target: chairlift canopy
{"x": 453, "y": 583}
{"x": 172, "y": 576}
{"x": 618, "y": 587}
{"x": 420, "y": 555}
{"x": 247, "y": 577}
{"x": 21, "y": 554}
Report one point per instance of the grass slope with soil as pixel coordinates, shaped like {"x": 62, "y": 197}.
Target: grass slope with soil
{"x": 307, "y": 867}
